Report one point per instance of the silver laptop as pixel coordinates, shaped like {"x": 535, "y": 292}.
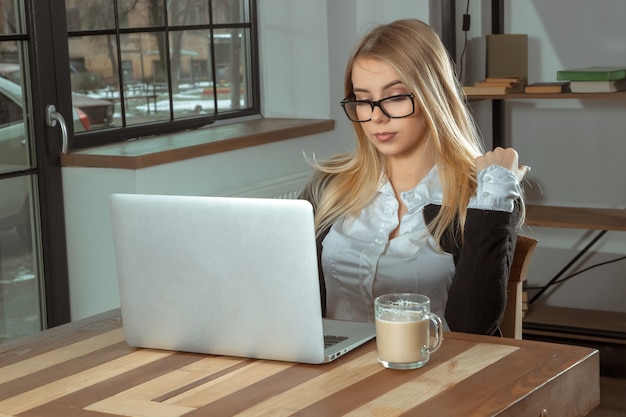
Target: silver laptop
{"x": 224, "y": 276}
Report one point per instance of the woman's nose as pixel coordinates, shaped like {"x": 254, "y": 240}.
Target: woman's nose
{"x": 378, "y": 115}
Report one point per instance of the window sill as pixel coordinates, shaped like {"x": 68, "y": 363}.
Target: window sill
{"x": 143, "y": 153}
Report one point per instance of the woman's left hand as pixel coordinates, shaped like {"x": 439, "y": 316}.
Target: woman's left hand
{"x": 506, "y": 158}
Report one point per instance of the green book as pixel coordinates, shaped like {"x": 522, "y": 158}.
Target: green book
{"x": 592, "y": 74}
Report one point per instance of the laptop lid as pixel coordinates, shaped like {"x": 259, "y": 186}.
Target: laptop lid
{"x": 225, "y": 276}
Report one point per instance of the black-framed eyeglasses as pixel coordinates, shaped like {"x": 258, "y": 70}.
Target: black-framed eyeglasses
{"x": 394, "y": 107}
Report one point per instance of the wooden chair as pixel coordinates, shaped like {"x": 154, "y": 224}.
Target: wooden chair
{"x": 511, "y": 325}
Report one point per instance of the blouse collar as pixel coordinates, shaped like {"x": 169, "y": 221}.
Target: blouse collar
{"x": 428, "y": 190}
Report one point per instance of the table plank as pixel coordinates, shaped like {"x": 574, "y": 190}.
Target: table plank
{"x": 57, "y": 337}
{"x": 59, "y": 355}
{"x": 49, "y": 392}
{"x": 433, "y": 382}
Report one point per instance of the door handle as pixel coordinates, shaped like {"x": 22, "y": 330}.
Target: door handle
{"x": 52, "y": 117}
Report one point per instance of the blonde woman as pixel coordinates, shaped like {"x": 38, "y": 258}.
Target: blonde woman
{"x": 418, "y": 206}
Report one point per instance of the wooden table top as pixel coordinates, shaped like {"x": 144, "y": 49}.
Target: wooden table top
{"x": 85, "y": 368}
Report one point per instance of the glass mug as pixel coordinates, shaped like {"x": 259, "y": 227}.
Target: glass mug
{"x": 403, "y": 324}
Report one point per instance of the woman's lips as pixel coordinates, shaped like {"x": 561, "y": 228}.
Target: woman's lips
{"x": 384, "y": 136}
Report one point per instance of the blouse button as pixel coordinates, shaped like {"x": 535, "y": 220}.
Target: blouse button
{"x": 488, "y": 178}
{"x": 486, "y": 194}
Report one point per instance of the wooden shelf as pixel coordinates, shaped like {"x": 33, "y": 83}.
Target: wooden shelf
{"x": 576, "y": 217}
{"x": 606, "y": 326}
{"x": 562, "y": 96}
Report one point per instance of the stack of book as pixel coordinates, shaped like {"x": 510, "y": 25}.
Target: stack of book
{"x": 496, "y": 86}
{"x": 594, "y": 79}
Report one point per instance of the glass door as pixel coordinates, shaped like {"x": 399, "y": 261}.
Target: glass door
{"x": 33, "y": 263}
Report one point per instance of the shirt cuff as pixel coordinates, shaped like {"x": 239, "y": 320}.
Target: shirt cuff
{"x": 497, "y": 189}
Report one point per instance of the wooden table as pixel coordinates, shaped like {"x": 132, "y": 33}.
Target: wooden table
{"x": 86, "y": 368}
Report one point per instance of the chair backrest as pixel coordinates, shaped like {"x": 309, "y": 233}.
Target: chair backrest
{"x": 511, "y": 325}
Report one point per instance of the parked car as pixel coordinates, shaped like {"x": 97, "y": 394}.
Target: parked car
{"x": 99, "y": 111}
{"x": 14, "y": 156}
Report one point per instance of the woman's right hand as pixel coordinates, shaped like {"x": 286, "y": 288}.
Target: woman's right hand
{"x": 507, "y": 158}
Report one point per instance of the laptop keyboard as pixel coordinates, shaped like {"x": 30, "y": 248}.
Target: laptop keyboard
{"x": 332, "y": 340}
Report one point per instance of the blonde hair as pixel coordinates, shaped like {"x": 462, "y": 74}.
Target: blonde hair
{"x": 350, "y": 181}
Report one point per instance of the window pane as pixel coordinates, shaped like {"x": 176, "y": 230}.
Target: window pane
{"x": 145, "y": 83}
{"x": 93, "y": 77}
{"x": 93, "y": 63}
{"x": 232, "y": 62}
{"x": 140, "y": 13}
{"x": 188, "y": 12}
{"x": 230, "y": 11}
{"x": 191, "y": 73}
{"x": 20, "y": 277}
{"x": 11, "y": 18}
{"x": 14, "y": 143}
{"x": 90, "y": 15}
{"x": 20, "y": 304}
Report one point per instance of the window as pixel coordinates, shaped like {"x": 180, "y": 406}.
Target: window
{"x": 146, "y": 67}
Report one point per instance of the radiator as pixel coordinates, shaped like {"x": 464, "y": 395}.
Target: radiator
{"x": 288, "y": 187}
{"x": 289, "y": 194}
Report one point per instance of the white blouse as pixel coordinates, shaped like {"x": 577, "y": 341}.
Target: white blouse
{"x": 359, "y": 261}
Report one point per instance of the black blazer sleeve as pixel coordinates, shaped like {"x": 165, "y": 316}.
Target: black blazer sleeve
{"x": 306, "y": 194}
{"x": 477, "y": 295}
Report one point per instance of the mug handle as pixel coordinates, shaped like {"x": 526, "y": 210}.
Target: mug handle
{"x": 438, "y": 332}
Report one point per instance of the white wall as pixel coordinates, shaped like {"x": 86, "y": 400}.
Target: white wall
{"x": 575, "y": 148}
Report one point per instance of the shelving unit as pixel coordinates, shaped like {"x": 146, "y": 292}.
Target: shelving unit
{"x": 550, "y": 216}
{"x": 554, "y": 320}
{"x": 540, "y": 96}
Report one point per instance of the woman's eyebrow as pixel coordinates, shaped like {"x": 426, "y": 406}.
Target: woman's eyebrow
{"x": 385, "y": 87}
{"x": 392, "y": 84}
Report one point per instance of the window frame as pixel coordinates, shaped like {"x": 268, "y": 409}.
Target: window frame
{"x": 112, "y": 135}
